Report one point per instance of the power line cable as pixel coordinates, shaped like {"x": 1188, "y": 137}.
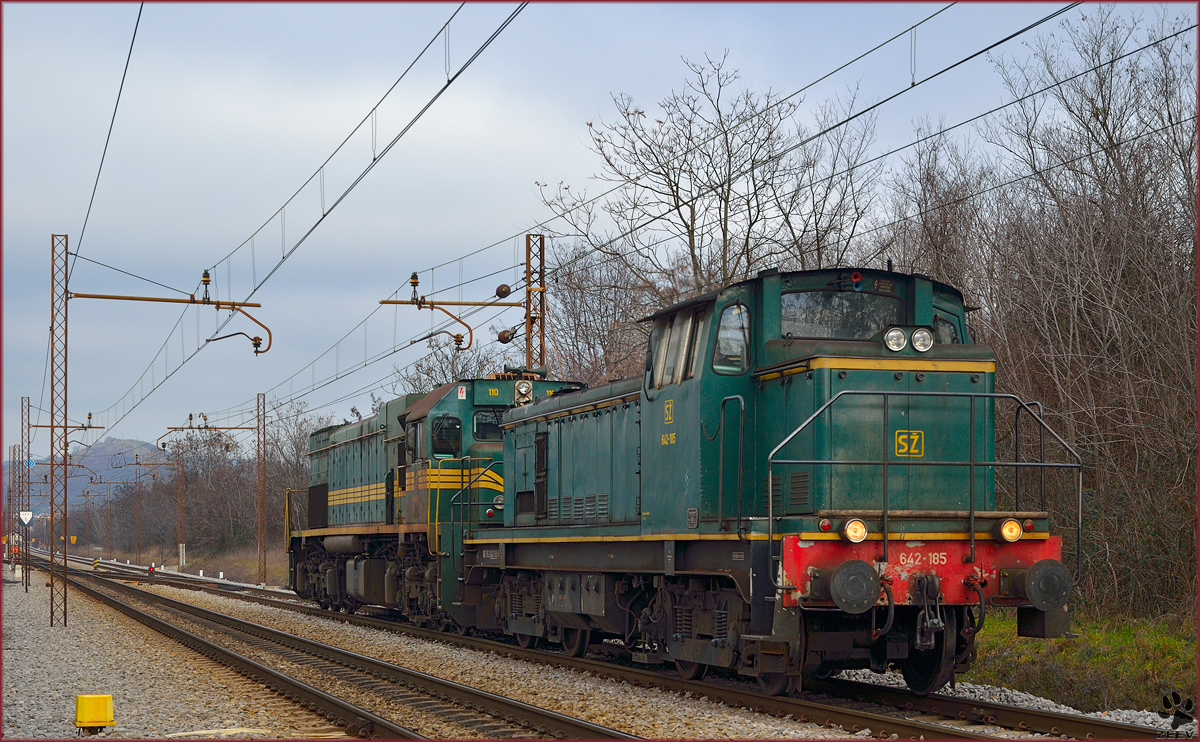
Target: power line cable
{"x": 449, "y": 81}
{"x": 734, "y": 125}
{"x": 744, "y": 120}
{"x": 632, "y": 230}
{"x": 822, "y": 133}
{"x": 116, "y": 105}
{"x": 71, "y": 269}
{"x": 512, "y": 16}
{"x": 132, "y": 275}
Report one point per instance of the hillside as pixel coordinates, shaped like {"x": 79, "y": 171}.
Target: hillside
{"x": 110, "y": 459}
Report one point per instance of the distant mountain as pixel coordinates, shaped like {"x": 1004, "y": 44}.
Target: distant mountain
{"x": 110, "y": 459}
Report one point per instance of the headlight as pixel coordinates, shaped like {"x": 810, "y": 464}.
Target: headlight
{"x": 1008, "y": 530}
{"x": 922, "y": 339}
{"x": 498, "y": 503}
{"x": 524, "y": 387}
{"x": 854, "y": 531}
{"x": 895, "y": 339}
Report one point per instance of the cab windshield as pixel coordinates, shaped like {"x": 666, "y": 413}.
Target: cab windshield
{"x": 845, "y": 315}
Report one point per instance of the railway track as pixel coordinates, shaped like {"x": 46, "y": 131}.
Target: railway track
{"x": 848, "y": 704}
{"x": 484, "y": 713}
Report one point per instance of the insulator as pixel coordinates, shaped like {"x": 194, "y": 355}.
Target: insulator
{"x": 503, "y": 290}
{"x": 505, "y": 336}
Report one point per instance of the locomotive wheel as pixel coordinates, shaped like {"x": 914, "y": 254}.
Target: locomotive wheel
{"x": 927, "y": 670}
{"x": 774, "y": 683}
{"x": 691, "y": 670}
{"x": 575, "y": 641}
{"x": 525, "y": 641}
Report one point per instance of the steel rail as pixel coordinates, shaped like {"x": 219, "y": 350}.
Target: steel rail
{"x": 980, "y": 712}
{"x": 540, "y": 719}
{"x": 357, "y": 721}
{"x": 985, "y": 712}
{"x": 805, "y": 711}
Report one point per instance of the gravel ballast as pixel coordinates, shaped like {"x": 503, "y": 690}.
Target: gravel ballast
{"x": 158, "y": 686}
{"x": 645, "y": 712}
{"x": 1009, "y": 697}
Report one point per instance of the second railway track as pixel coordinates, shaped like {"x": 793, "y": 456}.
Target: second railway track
{"x": 848, "y": 704}
{"x": 466, "y": 711}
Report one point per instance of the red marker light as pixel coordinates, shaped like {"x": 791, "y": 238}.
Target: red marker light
{"x": 490, "y": 512}
{"x": 855, "y": 276}
{"x": 1028, "y": 525}
{"x": 825, "y": 524}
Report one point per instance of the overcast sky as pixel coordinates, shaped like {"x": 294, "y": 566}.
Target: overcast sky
{"x": 228, "y": 109}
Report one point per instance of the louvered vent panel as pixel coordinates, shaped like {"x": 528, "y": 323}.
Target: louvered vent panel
{"x": 589, "y": 509}
{"x": 798, "y": 490}
{"x": 552, "y": 508}
{"x": 602, "y": 507}
{"x": 776, "y": 490}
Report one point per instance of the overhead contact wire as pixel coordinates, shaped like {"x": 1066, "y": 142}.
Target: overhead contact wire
{"x": 116, "y": 105}
{"x": 512, "y": 16}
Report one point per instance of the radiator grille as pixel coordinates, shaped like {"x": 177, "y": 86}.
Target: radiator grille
{"x": 798, "y": 489}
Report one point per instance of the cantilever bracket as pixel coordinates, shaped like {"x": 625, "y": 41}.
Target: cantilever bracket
{"x": 424, "y": 303}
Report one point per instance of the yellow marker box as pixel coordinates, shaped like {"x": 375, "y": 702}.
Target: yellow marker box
{"x": 93, "y": 711}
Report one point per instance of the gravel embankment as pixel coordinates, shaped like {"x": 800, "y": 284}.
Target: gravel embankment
{"x": 645, "y": 712}
{"x": 1011, "y": 697}
{"x": 158, "y": 686}
{"x": 424, "y": 722}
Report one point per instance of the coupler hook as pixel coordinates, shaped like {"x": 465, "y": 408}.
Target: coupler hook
{"x": 891, "y": 609}
{"x": 976, "y": 583}
{"x": 928, "y": 622}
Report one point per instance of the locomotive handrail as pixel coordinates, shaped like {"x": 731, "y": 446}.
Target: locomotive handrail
{"x": 432, "y": 539}
{"x": 886, "y": 463}
{"x": 466, "y": 488}
{"x": 1017, "y": 456}
{"x": 721, "y": 461}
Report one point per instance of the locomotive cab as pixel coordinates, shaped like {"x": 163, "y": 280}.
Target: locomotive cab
{"x": 844, "y": 422}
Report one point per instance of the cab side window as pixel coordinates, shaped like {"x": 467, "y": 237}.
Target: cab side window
{"x": 487, "y": 425}
{"x": 945, "y": 330}
{"x": 732, "y": 352}
{"x": 447, "y": 437}
{"x": 414, "y": 448}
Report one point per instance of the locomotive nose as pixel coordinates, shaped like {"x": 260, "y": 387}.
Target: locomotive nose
{"x": 1046, "y": 584}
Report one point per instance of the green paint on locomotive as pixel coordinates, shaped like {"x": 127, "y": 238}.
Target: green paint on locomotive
{"x": 405, "y": 464}
{"x": 655, "y": 457}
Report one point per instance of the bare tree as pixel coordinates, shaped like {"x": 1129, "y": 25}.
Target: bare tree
{"x": 594, "y": 307}
{"x": 445, "y": 363}
{"x": 717, "y": 184}
{"x": 1094, "y": 307}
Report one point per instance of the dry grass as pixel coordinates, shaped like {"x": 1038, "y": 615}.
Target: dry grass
{"x": 1115, "y": 663}
{"x": 240, "y": 565}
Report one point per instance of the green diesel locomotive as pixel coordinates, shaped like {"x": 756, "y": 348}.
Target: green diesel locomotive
{"x": 803, "y": 480}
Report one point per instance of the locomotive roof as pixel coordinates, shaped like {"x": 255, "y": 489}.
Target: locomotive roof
{"x": 421, "y": 407}
{"x": 712, "y": 295}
